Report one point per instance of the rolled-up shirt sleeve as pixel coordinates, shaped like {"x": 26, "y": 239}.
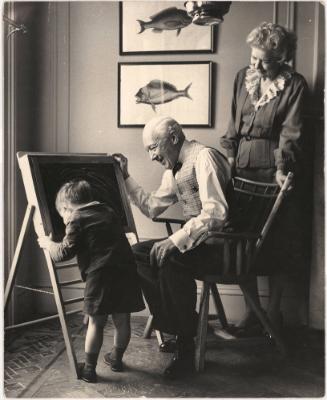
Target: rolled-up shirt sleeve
{"x": 154, "y": 203}
{"x": 66, "y": 249}
{"x": 212, "y": 176}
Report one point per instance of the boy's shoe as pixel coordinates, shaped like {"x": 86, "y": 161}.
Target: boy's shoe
{"x": 116, "y": 365}
{"x": 87, "y": 374}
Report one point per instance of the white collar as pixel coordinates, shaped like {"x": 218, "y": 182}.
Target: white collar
{"x": 91, "y": 203}
{"x": 252, "y": 84}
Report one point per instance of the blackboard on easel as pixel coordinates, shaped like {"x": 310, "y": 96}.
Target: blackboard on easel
{"x": 43, "y": 175}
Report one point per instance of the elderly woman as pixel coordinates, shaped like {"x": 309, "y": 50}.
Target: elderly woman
{"x": 264, "y": 141}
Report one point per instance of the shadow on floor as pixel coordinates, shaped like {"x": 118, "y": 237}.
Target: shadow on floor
{"x": 36, "y": 366}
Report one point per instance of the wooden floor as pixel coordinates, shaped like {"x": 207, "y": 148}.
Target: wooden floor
{"x": 36, "y": 366}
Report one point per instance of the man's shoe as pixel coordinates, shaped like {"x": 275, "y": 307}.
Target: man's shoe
{"x": 168, "y": 346}
{"x": 87, "y": 374}
{"x": 116, "y": 365}
{"x": 180, "y": 366}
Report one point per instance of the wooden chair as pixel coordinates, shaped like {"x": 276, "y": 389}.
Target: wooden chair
{"x": 256, "y": 206}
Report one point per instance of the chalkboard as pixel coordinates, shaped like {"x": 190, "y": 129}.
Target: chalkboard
{"x": 43, "y": 175}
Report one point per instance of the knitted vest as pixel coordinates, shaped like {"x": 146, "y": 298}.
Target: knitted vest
{"x": 187, "y": 185}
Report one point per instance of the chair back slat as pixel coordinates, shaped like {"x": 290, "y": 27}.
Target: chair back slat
{"x": 248, "y": 255}
{"x": 255, "y": 208}
{"x": 253, "y": 203}
{"x": 227, "y": 260}
{"x": 239, "y": 257}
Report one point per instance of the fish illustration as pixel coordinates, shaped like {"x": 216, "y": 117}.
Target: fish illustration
{"x": 160, "y": 92}
{"x": 168, "y": 19}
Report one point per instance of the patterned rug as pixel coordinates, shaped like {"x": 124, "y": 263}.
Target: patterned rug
{"x": 31, "y": 350}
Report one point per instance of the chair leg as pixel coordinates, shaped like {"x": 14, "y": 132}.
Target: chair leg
{"x": 219, "y": 306}
{"x": 148, "y": 328}
{"x": 264, "y": 320}
{"x": 201, "y": 338}
{"x": 160, "y": 337}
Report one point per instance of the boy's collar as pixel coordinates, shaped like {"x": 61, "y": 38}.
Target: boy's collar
{"x": 91, "y": 203}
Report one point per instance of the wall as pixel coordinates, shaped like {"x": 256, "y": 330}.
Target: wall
{"x": 79, "y": 89}
{"x": 26, "y": 70}
{"x": 93, "y": 96}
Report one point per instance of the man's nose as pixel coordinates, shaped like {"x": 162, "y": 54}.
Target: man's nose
{"x": 152, "y": 155}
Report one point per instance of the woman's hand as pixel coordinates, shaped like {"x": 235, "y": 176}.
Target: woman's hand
{"x": 281, "y": 178}
{"x": 123, "y": 163}
{"x": 231, "y": 161}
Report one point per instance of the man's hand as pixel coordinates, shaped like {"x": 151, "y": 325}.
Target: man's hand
{"x": 280, "y": 179}
{"x": 45, "y": 242}
{"x": 161, "y": 251}
{"x": 123, "y": 163}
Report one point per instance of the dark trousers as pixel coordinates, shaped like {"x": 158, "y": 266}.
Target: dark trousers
{"x": 170, "y": 291}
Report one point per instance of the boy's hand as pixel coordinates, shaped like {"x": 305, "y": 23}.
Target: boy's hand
{"x": 45, "y": 242}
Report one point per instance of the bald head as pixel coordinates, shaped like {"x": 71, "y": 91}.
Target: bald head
{"x": 161, "y": 127}
{"x": 163, "y": 138}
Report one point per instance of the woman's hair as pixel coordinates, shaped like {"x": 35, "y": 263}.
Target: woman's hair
{"x": 74, "y": 192}
{"x": 275, "y": 38}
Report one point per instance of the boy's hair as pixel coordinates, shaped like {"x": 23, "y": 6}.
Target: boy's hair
{"x": 75, "y": 192}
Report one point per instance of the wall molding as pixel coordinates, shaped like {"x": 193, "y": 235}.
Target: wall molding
{"x": 62, "y": 77}
{"x": 10, "y": 165}
{"x": 53, "y": 95}
{"x": 315, "y": 46}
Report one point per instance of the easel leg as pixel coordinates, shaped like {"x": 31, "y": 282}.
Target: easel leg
{"x": 54, "y": 281}
{"x": 62, "y": 314}
{"x": 18, "y": 251}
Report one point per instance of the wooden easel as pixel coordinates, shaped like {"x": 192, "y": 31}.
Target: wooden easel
{"x": 60, "y": 303}
{"x": 29, "y": 165}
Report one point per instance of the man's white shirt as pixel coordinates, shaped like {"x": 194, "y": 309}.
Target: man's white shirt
{"x": 210, "y": 177}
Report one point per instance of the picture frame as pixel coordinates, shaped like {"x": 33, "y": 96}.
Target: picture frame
{"x": 180, "y": 89}
{"x": 170, "y": 29}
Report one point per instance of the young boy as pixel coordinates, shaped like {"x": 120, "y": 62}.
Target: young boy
{"x": 95, "y": 235}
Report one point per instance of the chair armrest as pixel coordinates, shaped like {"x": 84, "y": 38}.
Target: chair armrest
{"x": 234, "y": 235}
{"x": 169, "y": 220}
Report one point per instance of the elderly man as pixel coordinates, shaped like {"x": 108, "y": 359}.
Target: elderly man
{"x": 200, "y": 178}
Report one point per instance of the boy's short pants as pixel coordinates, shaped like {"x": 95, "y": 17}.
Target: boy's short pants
{"x": 114, "y": 290}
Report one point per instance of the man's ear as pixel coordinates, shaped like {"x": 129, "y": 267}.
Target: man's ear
{"x": 174, "y": 138}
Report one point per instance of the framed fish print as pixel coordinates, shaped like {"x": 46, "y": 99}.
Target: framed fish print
{"x": 161, "y": 27}
{"x": 181, "y": 90}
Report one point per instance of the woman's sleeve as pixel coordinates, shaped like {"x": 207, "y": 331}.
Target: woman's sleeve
{"x": 231, "y": 139}
{"x": 289, "y": 150}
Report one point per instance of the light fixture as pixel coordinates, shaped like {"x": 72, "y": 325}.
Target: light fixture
{"x": 207, "y": 12}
